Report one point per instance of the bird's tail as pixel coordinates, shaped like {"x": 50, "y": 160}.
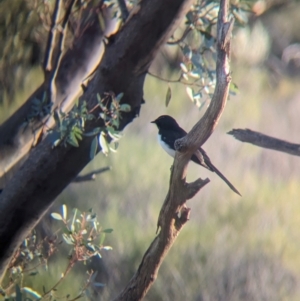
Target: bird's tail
{"x": 205, "y": 162}
{"x": 223, "y": 178}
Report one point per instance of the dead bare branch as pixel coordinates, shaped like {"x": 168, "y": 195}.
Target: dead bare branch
{"x": 265, "y": 141}
{"x": 91, "y": 176}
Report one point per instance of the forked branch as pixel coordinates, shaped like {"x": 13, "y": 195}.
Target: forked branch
{"x": 174, "y": 213}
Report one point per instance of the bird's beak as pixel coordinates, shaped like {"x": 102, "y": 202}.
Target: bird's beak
{"x": 152, "y": 121}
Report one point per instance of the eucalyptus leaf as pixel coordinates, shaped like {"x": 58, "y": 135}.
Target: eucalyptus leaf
{"x": 103, "y": 143}
{"x": 107, "y": 248}
{"x": 125, "y": 107}
{"x": 119, "y": 97}
{"x": 67, "y": 239}
{"x": 94, "y": 147}
{"x": 72, "y": 140}
{"x": 190, "y": 93}
{"x": 92, "y": 133}
{"x": 64, "y": 211}
{"x": 168, "y": 96}
{"x": 56, "y": 216}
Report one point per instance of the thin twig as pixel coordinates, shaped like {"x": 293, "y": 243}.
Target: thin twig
{"x": 50, "y": 47}
{"x": 66, "y": 272}
{"x": 91, "y": 176}
{"x": 175, "y": 81}
{"x": 184, "y": 35}
{"x": 166, "y": 80}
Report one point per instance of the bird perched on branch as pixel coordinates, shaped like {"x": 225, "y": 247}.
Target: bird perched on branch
{"x": 169, "y": 131}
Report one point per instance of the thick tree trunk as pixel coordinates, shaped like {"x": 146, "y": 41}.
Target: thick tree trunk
{"x": 48, "y": 171}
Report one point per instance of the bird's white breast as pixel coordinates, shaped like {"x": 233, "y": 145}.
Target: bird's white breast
{"x": 170, "y": 151}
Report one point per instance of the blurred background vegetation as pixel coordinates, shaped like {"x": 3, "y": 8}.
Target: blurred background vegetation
{"x": 232, "y": 248}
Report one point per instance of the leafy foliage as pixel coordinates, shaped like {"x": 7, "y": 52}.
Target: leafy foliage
{"x": 70, "y": 128}
{"x": 85, "y": 238}
{"x": 40, "y": 108}
{"x": 197, "y": 45}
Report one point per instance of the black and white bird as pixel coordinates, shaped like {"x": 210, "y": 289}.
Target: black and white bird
{"x": 169, "y": 131}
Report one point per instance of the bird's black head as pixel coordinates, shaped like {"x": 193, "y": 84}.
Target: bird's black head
{"x": 165, "y": 122}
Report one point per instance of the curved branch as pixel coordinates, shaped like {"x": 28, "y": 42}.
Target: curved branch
{"x": 265, "y": 141}
{"x": 174, "y": 212}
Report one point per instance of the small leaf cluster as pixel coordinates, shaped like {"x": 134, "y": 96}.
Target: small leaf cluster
{"x": 108, "y": 137}
{"x": 32, "y": 251}
{"x": 40, "y": 108}
{"x": 198, "y": 48}
{"x": 70, "y": 126}
{"x": 83, "y": 233}
{"x": 30, "y": 256}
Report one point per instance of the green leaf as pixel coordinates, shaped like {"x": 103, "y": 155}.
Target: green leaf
{"x": 108, "y": 230}
{"x": 107, "y": 248}
{"x": 73, "y": 220}
{"x": 102, "y": 238}
{"x": 119, "y": 97}
{"x": 33, "y": 273}
{"x": 18, "y": 293}
{"x": 94, "y": 132}
{"x": 103, "y": 143}
{"x": 64, "y": 211}
{"x": 233, "y": 88}
{"x": 116, "y": 122}
{"x": 190, "y": 93}
{"x": 78, "y": 133}
{"x": 115, "y": 135}
{"x": 125, "y": 107}
{"x": 73, "y": 140}
{"x": 56, "y": 216}
{"x": 183, "y": 67}
{"x": 94, "y": 147}
{"x": 98, "y": 98}
{"x": 67, "y": 239}
{"x": 168, "y": 96}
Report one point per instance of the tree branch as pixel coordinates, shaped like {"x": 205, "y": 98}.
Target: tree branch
{"x": 265, "y": 141}
{"x": 47, "y": 171}
{"x": 174, "y": 213}
{"x": 91, "y": 176}
{"x": 50, "y": 47}
{"x": 16, "y": 138}
{"x": 60, "y": 48}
